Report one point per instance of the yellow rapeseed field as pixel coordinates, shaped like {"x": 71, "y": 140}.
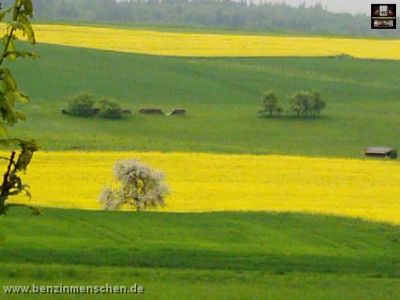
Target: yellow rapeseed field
{"x": 213, "y": 182}
{"x": 199, "y": 44}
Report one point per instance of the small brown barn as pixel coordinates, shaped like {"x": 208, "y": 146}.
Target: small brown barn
{"x": 127, "y": 111}
{"x": 177, "y": 112}
{"x": 151, "y": 111}
{"x": 381, "y": 152}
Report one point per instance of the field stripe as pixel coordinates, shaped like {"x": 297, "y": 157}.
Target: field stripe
{"x": 214, "y": 182}
{"x": 213, "y": 45}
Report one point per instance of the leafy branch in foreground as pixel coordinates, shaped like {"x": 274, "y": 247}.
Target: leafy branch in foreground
{"x": 12, "y": 184}
{"x": 18, "y": 18}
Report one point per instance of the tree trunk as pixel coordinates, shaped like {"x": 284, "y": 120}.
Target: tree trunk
{"x": 5, "y": 186}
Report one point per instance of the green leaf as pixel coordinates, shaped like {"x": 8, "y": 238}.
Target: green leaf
{"x": 24, "y": 98}
{"x": 10, "y": 50}
{"x": 25, "y": 26}
{"x": 11, "y": 98}
{"x": 28, "y": 7}
{"x": 8, "y": 114}
{"x": 25, "y": 157}
{"x": 3, "y": 131}
{"x": 8, "y": 80}
{"x": 5, "y": 12}
{"x": 4, "y": 39}
{"x": 20, "y": 116}
{"x": 16, "y": 25}
{"x": 17, "y": 96}
{"x": 22, "y": 54}
{"x": 16, "y": 8}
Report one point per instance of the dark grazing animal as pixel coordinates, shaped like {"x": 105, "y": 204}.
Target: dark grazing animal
{"x": 151, "y": 111}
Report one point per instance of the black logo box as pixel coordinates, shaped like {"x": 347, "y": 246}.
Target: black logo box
{"x": 383, "y": 13}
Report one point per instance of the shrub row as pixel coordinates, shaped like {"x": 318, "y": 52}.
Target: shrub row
{"x": 84, "y": 105}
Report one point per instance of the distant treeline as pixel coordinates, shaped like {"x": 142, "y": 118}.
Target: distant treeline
{"x": 226, "y": 14}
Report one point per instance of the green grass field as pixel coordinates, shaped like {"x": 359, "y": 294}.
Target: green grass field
{"x": 209, "y": 255}
{"x": 222, "y": 96}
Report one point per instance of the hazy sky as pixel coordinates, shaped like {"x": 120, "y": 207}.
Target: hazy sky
{"x": 350, "y": 6}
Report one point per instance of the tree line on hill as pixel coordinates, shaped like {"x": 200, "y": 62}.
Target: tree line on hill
{"x": 301, "y": 104}
{"x": 224, "y": 14}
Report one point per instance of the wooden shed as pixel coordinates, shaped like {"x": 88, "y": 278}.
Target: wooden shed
{"x": 381, "y": 152}
{"x": 177, "y": 112}
{"x": 151, "y": 111}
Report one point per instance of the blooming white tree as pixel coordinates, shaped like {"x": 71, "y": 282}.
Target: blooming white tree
{"x": 138, "y": 185}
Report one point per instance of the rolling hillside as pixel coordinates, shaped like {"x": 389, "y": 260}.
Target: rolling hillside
{"x": 217, "y": 158}
{"x": 222, "y": 97}
{"x": 213, "y": 45}
{"x": 247, "y": 256}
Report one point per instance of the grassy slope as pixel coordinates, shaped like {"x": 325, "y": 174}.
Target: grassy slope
{"x": 221, "y": 255}
{"x": 222, "y": 97}
{"x": 217, "y": 255}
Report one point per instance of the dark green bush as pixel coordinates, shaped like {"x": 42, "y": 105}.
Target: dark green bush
{"x": 81, "y": 105}
{"x": 110, "y": 109}
{"x": 393, "y": 154}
